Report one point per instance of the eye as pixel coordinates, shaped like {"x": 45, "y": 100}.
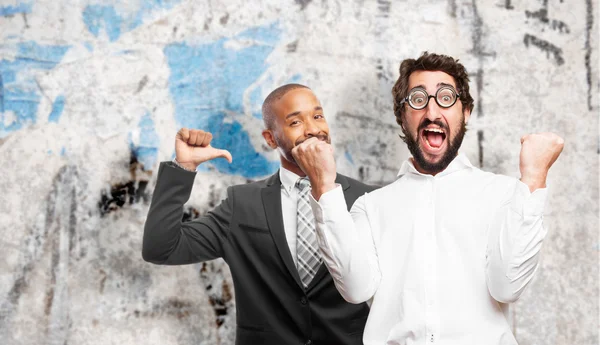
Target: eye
{"x": 294, "y": 123}
{"x": 319, "y": 116}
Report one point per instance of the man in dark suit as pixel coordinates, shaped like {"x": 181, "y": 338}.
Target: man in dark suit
{"x": 284, "y": 293}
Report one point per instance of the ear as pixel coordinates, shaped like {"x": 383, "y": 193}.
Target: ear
{"x": 467, "y": 114}
{"x": 269, "y": 138}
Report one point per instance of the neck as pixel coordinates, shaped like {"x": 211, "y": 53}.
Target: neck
{"x": 293, "y": 167}
{"x": 421, "y": 170}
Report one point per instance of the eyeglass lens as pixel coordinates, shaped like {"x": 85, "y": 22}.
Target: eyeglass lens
{"x": 445, "y": 97}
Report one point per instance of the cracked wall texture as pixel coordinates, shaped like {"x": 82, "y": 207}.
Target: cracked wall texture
{"x": 92, "y": 94}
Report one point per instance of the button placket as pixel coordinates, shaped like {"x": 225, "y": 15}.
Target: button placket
{"x": 431, "y": 313}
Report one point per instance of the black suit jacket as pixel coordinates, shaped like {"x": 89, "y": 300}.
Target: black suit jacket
{"x": 246, "y": 230}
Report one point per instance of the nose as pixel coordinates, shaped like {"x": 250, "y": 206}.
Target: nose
{"x": 311, "y": 128}
{"x": 433, "y": 110}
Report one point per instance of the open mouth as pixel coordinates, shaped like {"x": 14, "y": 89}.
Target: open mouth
{"x": 434, "y": 138}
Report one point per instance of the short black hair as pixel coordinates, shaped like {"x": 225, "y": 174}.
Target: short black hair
{"x": 275, "y": 95}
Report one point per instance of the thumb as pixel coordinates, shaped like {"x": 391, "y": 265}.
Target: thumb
{"x": 223, "y": 154}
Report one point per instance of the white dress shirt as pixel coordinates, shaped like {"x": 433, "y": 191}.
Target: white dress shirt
{"x": 289, "y": 206}
{"x": 438, "y": 257}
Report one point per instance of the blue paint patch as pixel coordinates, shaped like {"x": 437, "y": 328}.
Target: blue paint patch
{"x": 208, "y": 81}
{"x": 1, "y": 95}
{"x": 98, "y": 17}
{"x": 246, "y": 161}
{"x": 88, "y": 46}
{"x": 63, "y": 151}
{"x": 296, "y": 79}
{"x": 24, "y": 7}
{"x": 349, "y": 157}
{"x": 57, "y": 109}
{"x": 256, "y": 100}
{"x": 146, "y": 150}
{"x": 21, "y": 96}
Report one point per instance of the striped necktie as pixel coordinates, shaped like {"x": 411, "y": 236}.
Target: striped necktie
{"x": 307, "y": 250}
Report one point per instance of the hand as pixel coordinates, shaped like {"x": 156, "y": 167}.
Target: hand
{"x": 315, "y": 158}
{"x": 192, "y": 147}
{"x": 538, "y": 153}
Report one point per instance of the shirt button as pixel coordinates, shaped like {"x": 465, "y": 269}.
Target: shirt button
{"x": 303, "y": 301}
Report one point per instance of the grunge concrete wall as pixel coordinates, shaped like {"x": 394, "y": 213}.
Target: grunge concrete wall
{"x": 92, "y": 93}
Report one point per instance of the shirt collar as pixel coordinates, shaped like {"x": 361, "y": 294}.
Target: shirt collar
{"x": 288, "y": 179}
{"x": 460, "y": 162}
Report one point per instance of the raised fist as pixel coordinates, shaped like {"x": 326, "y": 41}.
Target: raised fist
{"x": 538, "y": 153}
{"x": 315, "y": 158}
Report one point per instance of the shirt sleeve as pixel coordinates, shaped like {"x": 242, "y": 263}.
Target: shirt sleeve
{"x": 347, "y": 246}
{"x": 170, "y": 241}
{"x": 515, "y": 238}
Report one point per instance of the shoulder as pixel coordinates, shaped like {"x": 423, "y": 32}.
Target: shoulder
{"x": 492, "y": 184}
{"x": 250, "y": 187}
{"x": 355, "y": 185}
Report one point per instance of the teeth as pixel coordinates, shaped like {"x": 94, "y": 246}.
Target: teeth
{"x": 434, "y": 130}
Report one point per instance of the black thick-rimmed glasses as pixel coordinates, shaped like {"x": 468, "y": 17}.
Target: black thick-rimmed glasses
{"x": 418, "y": 98}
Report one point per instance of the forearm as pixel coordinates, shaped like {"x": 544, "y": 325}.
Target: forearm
{"x": 514, "y": 243}
{"x": 162, "y": 230}
{"x": 347, "y": 246}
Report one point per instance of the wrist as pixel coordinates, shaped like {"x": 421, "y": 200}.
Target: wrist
{"x": 534, "y": 181}
{"x": 185, "y": 166}
{"x": 322, "y": 188}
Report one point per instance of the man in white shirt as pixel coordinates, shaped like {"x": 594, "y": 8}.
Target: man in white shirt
{"x": 440, "y": 252}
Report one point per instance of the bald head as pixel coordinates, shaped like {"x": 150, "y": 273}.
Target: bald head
{"x": 267, "y": 107}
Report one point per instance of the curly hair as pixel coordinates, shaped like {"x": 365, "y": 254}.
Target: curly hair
{"x": 430, "y": 62}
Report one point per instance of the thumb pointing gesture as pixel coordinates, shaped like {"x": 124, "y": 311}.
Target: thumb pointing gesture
{"x": 192, "y": 147}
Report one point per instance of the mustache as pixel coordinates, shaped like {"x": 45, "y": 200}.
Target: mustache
{"x": 428, "y": 122}
{"x": 320, "y": 136}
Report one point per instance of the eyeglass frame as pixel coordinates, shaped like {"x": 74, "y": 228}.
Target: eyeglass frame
{"x": 444, "y": 86}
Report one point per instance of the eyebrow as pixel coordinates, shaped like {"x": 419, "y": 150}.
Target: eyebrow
{"x": 438, "y": 85}
{"x": 445, "y": 84}
{"x": 296, "y": 113}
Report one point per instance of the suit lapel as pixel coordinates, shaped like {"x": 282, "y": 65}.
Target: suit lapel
{"x": 322, "y": 271}
{"x": 271, "y": 198}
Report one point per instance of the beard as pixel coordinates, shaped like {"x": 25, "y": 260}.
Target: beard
{"x": 449, "y": 155}
{"x": 285, "y": 147}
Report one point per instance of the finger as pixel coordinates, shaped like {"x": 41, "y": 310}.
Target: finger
{"x": 183, "y": 134}
{"x": 311, "y": 141}
{"x": 523, "y": 138}
{"x": 296, "y": 151}
{"x": 206, "y": 140}
{"x": 193, "y": 137}
{"x": 200, "y": 138}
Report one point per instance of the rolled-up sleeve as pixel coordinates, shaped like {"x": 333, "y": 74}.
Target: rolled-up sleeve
{"x": 347, "y": 246}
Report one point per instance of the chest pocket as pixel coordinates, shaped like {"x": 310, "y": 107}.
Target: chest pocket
{"x": 254, "y": 229}
{"x": 256, "y": 244}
